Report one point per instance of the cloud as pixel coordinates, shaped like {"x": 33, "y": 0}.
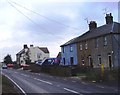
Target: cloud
{"x": 54, "y": 25}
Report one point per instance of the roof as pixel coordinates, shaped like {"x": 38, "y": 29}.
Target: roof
{"x": 59, "y": 55}
{"x": 20, "y": 52}
{"x": 99, "y": 31}
{"x": 44, "y": 49}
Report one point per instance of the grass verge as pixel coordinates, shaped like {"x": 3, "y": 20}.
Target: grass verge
{"x": 8, "y": 87}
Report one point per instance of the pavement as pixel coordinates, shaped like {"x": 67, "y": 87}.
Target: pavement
{"x": 30, "y": 82}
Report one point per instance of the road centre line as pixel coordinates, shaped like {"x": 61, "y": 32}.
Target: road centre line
{"x": 16, "y": 72}
{"x": 25, "y": 75}
{"x": 16, "y": 85}
{"x": 71, "y": 90}
{"x": 100, "y": 86}
{"x": 43, "y": 81}
{"x": 73, "y": 81}
{"x": 84, "y": 83}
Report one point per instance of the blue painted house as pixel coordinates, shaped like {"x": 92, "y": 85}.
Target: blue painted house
{"x": 69, "y": 52}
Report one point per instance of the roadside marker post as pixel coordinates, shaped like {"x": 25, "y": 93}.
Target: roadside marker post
{"x": 102, "y": 71}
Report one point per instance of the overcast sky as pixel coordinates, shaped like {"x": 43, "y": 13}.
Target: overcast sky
{"x": 47, "y": 24}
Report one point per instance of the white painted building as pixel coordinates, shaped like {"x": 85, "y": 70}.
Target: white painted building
{"x": 32, "y": 54}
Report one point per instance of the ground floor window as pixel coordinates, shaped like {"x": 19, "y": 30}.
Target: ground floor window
{"x": 83, "y": 62}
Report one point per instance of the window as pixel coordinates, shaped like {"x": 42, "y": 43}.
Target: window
{"x": 96, "y": 43}
{"x": 86, "y": 45}
{"x": 71, "y": 48}
{"x": 80, "y": 46}
{"x": 63, "y": 49}
{"x": 39, "y": 55}
{"x": 105, "y": 41}
{"x": 82, "y": 60}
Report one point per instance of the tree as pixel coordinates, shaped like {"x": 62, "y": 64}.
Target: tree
{"x": 7, "y": 59}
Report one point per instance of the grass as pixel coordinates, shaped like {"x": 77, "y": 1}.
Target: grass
{"x": 8, "y": 87}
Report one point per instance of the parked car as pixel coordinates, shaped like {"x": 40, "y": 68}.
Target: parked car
{"x": 38, "y": 62}
{"x": 51, "y": 61}
{"x": 4, "y": 66}
{"x": 10, "y": 65}
{"x": 24, "y": 65}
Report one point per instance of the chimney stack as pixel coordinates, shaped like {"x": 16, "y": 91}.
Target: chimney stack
{"x": 31, "y": 45}
{"x": 25, "y": 46}
{"x": 92, "y": 25}
{"x": 109, "y": 18}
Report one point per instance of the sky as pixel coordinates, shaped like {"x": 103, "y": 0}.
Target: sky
{"x": 48, "y": 23}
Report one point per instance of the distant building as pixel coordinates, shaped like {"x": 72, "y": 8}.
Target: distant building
{"x": 32, "y": 54}
{"x": 99, "y": 45}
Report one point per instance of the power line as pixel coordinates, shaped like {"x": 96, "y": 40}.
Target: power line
{"x": 32, "y": 20}
{"x": 58, "y": 36}
{"x": 45, "y": 16}
{"x": 24, "y": 15}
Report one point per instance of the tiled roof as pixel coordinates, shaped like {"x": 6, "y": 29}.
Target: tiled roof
{"x": 44, "y": 49}
{"x": 99, "y": 31}
{"x": 22, "y": 51}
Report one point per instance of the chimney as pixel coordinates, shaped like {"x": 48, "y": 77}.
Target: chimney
{"x": 25, "y": 46}
{"x": 31, "y": 45}
{"x": 109, "y": 18}
{"x": 92, "y": 25}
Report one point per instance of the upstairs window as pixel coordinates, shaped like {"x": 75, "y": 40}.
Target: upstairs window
{"x": 105, "y": 41}
{"x": 86, "y": 45}
{"x": 81, "y": 47}
{"x": 39, "y": 55}
{"x": 96, "y": 43}
{"x": 63, "y": 49}
{"x": 71, "y": 49}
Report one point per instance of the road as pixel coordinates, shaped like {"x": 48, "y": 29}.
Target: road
{"x": 42, "y": 83}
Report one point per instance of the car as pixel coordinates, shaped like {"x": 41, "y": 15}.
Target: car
{"x": 24, "y": 65}
{"x": 4, "y": 66}
{"x": 38, "y": 62}
{"x": 10, "y": 65}
{"x": 50, "y": 61}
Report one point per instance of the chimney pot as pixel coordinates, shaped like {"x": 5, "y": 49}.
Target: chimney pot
{"x": 92, "y": 25}
{"x": 31, "y": 45}
{"x": 25, "y": 46}
{"x": 109, "y": 18}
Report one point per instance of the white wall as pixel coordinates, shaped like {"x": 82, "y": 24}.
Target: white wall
{"x": 34, "y": 51}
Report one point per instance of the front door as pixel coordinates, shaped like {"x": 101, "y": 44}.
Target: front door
{"x": 90, "y": 61}
{"x": 110, "y": 61}
{"x": 71, "y": 60}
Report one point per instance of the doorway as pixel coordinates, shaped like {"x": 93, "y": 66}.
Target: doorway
{"x": 110, "y": 61}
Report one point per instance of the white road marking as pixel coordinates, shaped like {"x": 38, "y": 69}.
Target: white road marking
{"x": 16, "y": 72}
{"x": 71, "y": 90}
{"x": 25, "y": 75}
{"x": 73, "y": 81}
{"x": 43, "y": 81}
{"x": 100, "y": 86}
{"x": 84, "y": 83}
{"x": 16, "y": 85}
{"x": 58, "y": 85}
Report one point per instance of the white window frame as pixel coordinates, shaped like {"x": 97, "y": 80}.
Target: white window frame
{"x": 81, "y": 47}
{"x": 71, "y": 48}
